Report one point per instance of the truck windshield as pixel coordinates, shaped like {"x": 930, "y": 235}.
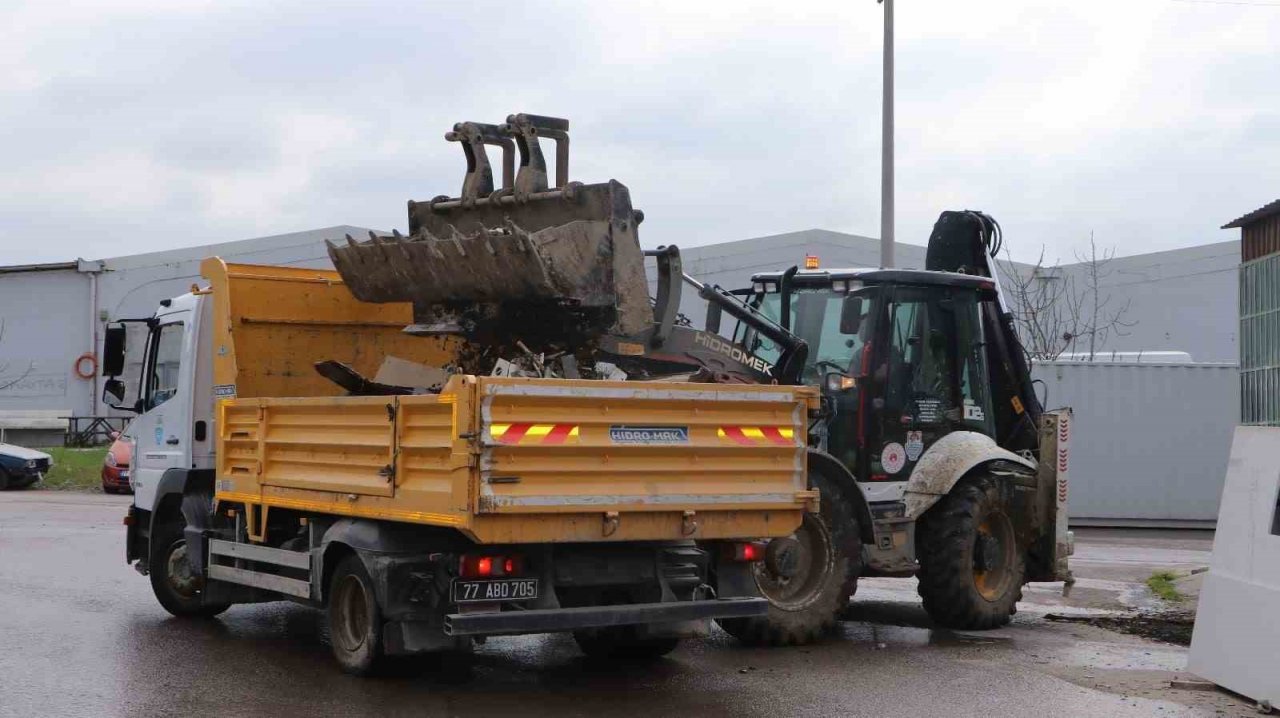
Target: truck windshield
{"x": 815, "y": 318}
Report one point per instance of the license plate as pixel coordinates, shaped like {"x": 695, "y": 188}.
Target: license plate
{"x": 505, "y": 589}
{"x": 124, "y": 474}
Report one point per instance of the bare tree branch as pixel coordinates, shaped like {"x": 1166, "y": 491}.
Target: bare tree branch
{"x": 1058, "y": 312}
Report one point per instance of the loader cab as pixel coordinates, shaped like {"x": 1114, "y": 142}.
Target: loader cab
{"x": 898, "y": 354}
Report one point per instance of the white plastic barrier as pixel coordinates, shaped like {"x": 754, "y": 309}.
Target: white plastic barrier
{"x": 1236, "y": 642}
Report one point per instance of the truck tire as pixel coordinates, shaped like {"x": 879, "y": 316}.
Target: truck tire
{"x": 971, "y": 566}
{"x": 620, "y": 643}
{"x": 355, "y": 619}
{"x": 808, "y": 577}
{"x": 175, "y": 585}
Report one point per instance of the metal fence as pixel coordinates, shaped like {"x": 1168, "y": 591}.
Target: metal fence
{"x": 1260, "y": 341}
{"x": 1149, "y": 442}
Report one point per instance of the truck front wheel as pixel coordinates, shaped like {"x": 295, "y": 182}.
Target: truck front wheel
{"x": 355, "y": 620}
{"x": 808, "y": 577}
{"x": 176, "y": 585}
{"x": 971, "y": 566}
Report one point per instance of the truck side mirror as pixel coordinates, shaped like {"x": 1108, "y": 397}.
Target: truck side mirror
{"x": 851, "y": 315}
{"x": 113, "y": 352}
{"x": 113, "y": 389}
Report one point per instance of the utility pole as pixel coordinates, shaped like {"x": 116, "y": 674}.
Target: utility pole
{"x": 886, "y": 143}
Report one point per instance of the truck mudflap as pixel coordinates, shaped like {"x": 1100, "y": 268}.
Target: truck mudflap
{"x": 553, "y": 620}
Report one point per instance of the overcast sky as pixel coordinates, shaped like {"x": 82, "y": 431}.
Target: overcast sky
{"x": 129, "y": 126}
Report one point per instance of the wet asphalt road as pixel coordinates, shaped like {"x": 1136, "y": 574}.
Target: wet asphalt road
{"x": 80, "y": 634}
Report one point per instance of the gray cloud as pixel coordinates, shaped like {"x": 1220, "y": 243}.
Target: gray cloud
{"x": 136, "y": 126}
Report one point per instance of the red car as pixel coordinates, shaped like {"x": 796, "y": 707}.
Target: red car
{"x": 115, "y": 467}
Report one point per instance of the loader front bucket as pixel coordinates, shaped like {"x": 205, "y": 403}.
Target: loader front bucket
{"x": 566, "y": 256}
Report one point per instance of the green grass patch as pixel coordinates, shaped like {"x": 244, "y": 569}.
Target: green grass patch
{"x": 74, "y": 469}
{"x": 1161, "y": 584}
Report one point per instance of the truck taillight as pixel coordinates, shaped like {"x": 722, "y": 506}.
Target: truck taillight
{"x": 749, "y": 552}
{"x": 473, "y": 566}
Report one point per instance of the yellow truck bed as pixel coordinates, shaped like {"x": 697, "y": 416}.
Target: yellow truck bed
{"x": 500, "y": 459}
{"x": 510, "y": 460}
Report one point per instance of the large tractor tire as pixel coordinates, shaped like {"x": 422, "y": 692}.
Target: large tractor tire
{"x": 808, "y": 577}
{"x": 176, "y": 585}
{"x": 355, "y": 619}
{"x": 971, "y": 566}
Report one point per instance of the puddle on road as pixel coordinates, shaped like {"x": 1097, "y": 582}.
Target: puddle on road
{"x": 880, "y": 635}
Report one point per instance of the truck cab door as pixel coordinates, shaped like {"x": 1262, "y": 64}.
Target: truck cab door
{"x": 162, "y": 432}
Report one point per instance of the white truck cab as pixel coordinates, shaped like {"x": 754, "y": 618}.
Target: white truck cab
{"x": 174, "y": 398}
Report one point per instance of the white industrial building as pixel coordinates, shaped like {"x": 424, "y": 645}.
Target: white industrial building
{"x": 53, "y": 315}
{"x": 1179, "y": 301}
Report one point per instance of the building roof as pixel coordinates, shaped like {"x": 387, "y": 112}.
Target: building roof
{"x": 241, "y": 249}
{"x": 46, "y": 267}
{"x": 1262, "y": 212}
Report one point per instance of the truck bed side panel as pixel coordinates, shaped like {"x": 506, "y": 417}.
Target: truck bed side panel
{"x": 566, "y": 446}
{"x": 532, "y": 460}
{"x": 434, "y": 462}
{"x": 318, "y": 445}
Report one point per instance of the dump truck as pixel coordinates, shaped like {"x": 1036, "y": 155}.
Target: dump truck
{"x": 421, "y": 521}
{"x": 931, "y": 451}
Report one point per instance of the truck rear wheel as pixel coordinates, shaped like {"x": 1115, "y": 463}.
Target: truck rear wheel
{"x": 355, "y": 619}
{"x": 176, "y": 585}
{"x": 971, "y": 566}
{"x": 621, "y": 643}
{"x": 808, "y": 577}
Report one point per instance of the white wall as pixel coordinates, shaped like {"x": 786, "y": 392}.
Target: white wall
{"x": 1180, "y": 300}
{"x": 1149, "y": 442}
{"x": 46, "y": 318}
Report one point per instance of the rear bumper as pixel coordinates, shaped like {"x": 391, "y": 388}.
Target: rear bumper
{"x": 568, "y": 619}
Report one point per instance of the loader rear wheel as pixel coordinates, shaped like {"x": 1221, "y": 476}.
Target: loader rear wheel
{"x": 620, "y": 643}
{"x": 971, "y": 566}
{"x": 176, "y": 585}
{"x": 808, "y": 577}
{"x": 355, "y": 619}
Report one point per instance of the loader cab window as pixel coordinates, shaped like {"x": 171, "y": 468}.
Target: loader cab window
{"x": 164, "y": 364}
{"x": 815, "y": 318}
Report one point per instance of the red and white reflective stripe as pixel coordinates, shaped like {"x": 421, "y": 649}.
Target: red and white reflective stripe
{"x": 758, "y": 435}
{"x": 530, "y": 433}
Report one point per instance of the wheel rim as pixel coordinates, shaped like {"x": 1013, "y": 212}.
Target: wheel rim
{"x": 800, "y": 583}
{"x": 181, "y": 578}
{"x": 993, "y": 556}
{"x": 351, "y": 611}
